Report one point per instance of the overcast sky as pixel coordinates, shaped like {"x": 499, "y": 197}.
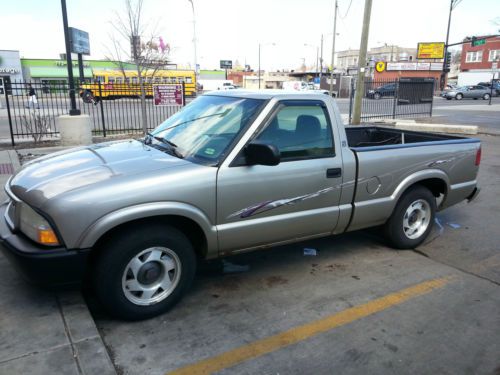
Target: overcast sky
{"x": 232, "y": 29}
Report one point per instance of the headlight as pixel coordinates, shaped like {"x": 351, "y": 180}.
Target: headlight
{"x": 371, "y": 91}
{"x": 36, "y": 227}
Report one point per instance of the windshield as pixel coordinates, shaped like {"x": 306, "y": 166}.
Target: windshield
{"x": 203, "y": 131}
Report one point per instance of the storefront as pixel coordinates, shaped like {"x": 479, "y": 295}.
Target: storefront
{"x": 52, "y": 71}
{"x": 10, "y": 70}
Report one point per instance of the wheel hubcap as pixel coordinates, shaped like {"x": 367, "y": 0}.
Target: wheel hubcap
{"x": 151, "y": 276}
{"x": 416, "y": 219}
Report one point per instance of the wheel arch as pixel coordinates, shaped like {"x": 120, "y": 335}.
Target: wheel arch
{"x": 181, "y": 216}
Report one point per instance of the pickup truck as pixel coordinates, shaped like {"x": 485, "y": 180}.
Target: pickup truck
{"x": 233, "y": 171}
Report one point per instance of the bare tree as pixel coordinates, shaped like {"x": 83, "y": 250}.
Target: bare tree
{"x": 145, "y": 52}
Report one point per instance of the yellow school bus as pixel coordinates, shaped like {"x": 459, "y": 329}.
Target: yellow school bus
{"x": 118, "y": 84}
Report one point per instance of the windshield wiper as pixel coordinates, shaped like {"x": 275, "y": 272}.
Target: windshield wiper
{"x": 173, "y": 146}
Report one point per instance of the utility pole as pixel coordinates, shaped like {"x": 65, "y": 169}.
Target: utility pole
{"x": 356, "y": 118}
{"x": 321, "y": 62}
{"x": 333, "y": 45}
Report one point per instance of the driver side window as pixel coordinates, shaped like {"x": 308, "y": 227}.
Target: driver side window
{"x": 300, "y": 131}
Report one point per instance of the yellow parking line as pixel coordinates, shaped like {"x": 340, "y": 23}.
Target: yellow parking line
{"x": 294, "y": 335}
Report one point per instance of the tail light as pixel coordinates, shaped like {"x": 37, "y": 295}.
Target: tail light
{"x": 478, "y": 157}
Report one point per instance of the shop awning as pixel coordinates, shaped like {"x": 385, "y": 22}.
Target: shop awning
{"x": 49, "y": 72}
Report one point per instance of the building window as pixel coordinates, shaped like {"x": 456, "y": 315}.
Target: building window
{"x": 494, "y": 55}
{"x": 476, "y": 56}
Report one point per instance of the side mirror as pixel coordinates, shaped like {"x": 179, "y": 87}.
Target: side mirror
{"x": 262, "y": 153}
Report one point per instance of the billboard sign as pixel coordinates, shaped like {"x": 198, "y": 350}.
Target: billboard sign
{"x": 79, "y": 41}
{"x": 226, "y": 64}
{"x": 168, "y": 95}
{"x": 430, "y": 50}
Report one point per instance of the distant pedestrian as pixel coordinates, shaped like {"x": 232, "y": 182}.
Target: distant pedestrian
{"x": 32, "y": 99}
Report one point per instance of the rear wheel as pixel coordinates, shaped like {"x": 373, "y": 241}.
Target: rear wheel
{"x": 459, "y": 97}
{"x": 486, "y": 96}
{"x": 144, "y": 272}
{"x": 412, "y": 219}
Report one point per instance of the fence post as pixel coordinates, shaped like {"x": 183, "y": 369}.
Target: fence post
{"x": 351, "y": 95}
{"x": 10, "y": 117}
{"x": 102, "y": 110}
{"x": 432, "y": 96}
{"x": 396, "y": 95}
{"x": 183, "y": 94}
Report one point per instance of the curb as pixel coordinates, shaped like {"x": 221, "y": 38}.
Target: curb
{"x": 89, "y": 351}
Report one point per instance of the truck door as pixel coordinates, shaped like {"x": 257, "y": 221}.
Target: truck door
{"x": 297, "y": 198}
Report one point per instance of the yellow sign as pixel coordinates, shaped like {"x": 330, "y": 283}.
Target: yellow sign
{"x": 430, "y": 51}
{"x": 380, "y": 66}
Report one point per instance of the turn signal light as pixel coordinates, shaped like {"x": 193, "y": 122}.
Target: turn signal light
{"x": 47, "y": 237}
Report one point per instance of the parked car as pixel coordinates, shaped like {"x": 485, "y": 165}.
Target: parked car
{"x": 233, "y": 171}
{"x": 469, "y": 92}
{"x": 385, "y": 90}
{"x": 496, "y": 87}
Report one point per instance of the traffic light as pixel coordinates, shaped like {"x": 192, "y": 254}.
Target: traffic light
{"x": 447, "y": 62}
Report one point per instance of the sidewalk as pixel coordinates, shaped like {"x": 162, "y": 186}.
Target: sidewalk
{"x": 43, "y": 332}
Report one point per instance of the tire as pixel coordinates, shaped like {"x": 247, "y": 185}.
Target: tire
{"x": 377, "y": 96}
{"x": 486, "y": 96}
{"x": 416, "y": 205}
{"x": 143, "y": 272}
{"x": 459, "y": 97}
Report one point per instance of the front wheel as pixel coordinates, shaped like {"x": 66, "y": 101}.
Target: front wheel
{"x": 144, "y": 272}
{"x": 459, "y": 97}
{"x": 412, "y": 219}
{"x": 377, "y": 96}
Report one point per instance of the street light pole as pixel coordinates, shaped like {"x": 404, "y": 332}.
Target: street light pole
{"x": 453, "y": 4}
{"x": 73, "y": 111}
{"x": 194, "y": 42}
{"x": 333, "y": 46}
{"x": 258, "y": 71}
{"x": 259, "y": 58}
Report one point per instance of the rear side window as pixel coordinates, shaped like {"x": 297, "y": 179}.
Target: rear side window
{"x": 300, "y": 131}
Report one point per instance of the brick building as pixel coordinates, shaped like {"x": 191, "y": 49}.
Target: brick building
{"x": 480, "y": 57}
{"x": 477, "y": 63}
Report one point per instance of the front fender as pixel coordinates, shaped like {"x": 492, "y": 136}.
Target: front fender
{"x": 90, "y": 236}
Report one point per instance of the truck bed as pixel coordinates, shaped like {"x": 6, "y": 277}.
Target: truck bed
{"x": 374, "y": 137}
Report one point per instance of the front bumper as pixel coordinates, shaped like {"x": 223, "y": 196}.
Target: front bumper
{"x": 41, "y": 265}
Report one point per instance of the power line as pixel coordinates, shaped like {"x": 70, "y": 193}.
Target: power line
{"x": 348, "y": 8}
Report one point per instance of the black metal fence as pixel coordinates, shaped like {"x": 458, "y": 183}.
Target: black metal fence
{"x": 113, "y": 109}
{"x": 406, "y": 97}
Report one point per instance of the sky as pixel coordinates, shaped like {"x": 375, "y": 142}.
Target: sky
{"x": 289, "y": 31}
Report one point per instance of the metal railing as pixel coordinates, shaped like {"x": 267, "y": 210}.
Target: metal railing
{"x": 405, "y": 97}
{"x": 113, "y": 109}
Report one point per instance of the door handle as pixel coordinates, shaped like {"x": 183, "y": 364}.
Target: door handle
{"x": 333, "y": 172}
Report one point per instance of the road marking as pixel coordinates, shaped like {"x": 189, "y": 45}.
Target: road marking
{"x": 303, "y": 332}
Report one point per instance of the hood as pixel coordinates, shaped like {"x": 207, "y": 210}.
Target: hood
{"x": 58, "y": 173}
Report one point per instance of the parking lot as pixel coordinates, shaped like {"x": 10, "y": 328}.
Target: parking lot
{"x": 355, "y": 307}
